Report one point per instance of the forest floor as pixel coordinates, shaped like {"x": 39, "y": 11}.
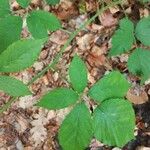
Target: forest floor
{"x": 26, "y": 127}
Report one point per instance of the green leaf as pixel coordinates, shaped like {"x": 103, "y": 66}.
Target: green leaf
{"x": 13, "y": 86}
{"x": 58, "y": 98}
{"x": 123, "y": 38}
{"x": 76, "y": 130}
{"x": 10, "y": 31}
{"x": 4, "y": 8}
{"x": 78, "y": 74}
{"x": 52, "y": 2}
{"x": 39, "y": 22}
{"x": 113, "y": 85}
{"x": 142, "y": 31}
{"x": 20, "y": 55}
{"x": 144, "y": 1}
{"x": 114, "y": 122}
{"x": 23, "y": 3}
{"x": 139, "y": 63}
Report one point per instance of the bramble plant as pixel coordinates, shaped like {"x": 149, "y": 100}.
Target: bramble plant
{"x": 123, "y": 40}
{"x": 113, "y": 116}
{"x": 113, "y": 120}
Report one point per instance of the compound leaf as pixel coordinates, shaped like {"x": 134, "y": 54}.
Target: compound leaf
{"x": 78, "y": 74}
{"x": 114, "y": 122}
{"x": 58, "y": 98}
{"x": 52, "y": 2}
{"x": 76, "y": 130}
{"x": 139, "y": 63}
{"x": 4, "y": 8}
{"x": 13, "y": 86}
{"x": 10, "y": 31}
{"x": 39, "y": 22}
{"x": 24, "y": 3}
{"x": 113, "y": 85}
{"x": 142, "y": 31}
{"x": 123, "y": 38}
{"x": 20, "y": 55}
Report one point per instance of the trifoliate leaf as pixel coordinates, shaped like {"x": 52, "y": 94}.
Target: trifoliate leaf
{"x": 24, "y": 3}
{"x": 20, "y": 55}
{"x": 139, "y": 63}
{"x": 52, "y": 2}
{"x": 114, "y": 122}
{"x": 40, "y": 22}
{"x": 13, "y": 86}
{"x": 78, "y": 74}
{"x": 76, "y": 130}
{"x": 142, "y": 31}
{"x": 10, "y": 31}
{"x": 113, "y": 85}
{"x": 4, "y": 8}
{"x": 123, "y": 38}
{"x": 58, "y": 98}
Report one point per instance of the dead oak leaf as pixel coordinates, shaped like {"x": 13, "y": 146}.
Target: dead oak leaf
{"x": 38, "y": 131}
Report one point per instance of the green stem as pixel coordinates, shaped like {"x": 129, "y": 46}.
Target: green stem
{"x": 7, "y": 105}
{"x": 65, "y": 31}
{"x": 55, "y": 61}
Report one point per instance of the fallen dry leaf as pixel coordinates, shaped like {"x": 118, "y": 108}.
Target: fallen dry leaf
{"x": 91, "y": 5}
{"x": 59, "y": 37}
{"x": 38, "y": 131}
{"x": 107, "y": 19}
{"x": 27, "y": 101}
{"x": 96, "y": 56}
{"x": 143, "y": 148}
{"x": 137, "y": 98}
{"x": 96, "y": 60}
{"x": 85, "y": 41}
{"x": 66, "y": 10}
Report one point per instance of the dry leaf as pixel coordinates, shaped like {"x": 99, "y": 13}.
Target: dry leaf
{"x": 38, "y": 66}
{"x": 137, "y": 97}
{"x": 96, "y": 60}
{"x": 59, "y": 37}
{"x": 107, "y": 19}
{"x": 97, "y": 57}
{"x": 85, "y": 41}
{"x": 27, "y": 101}
{"x": 143, "y": 148}
{"x": 39, "y": 132}
{"x": 91, "y": 5}
{"x": 66, "y": 10}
